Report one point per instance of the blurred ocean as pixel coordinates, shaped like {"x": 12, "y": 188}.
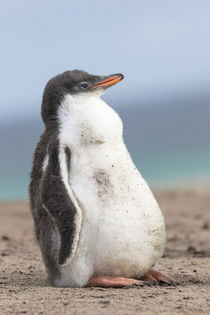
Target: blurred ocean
{"x": 169, "y": 142}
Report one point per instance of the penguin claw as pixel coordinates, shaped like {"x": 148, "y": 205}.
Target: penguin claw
{"x": 174, "y": 283}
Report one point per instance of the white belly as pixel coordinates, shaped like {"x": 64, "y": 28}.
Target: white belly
{"x": 122, "y": 222}
{"x": 123, "y": 230}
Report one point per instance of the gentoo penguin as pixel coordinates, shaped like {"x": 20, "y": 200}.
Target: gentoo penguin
{"x": 96, "y": 220}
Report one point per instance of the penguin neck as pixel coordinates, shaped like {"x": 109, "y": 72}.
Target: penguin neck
{"x": 88, "y": 120}
{"x": 78, "y": 104}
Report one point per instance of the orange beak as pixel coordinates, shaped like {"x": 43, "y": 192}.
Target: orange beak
{"x": 110, "y": 81}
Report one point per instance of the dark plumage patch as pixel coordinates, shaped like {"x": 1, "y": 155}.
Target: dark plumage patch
{"x": 50, "y": 203}
{"x": 44, "y": 226}
{"x": 56, "y": 199}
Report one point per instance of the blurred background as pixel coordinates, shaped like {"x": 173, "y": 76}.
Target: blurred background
{"x": 163, "y": 48}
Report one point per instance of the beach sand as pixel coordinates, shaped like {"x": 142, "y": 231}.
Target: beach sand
{"x": 24, "y": 288}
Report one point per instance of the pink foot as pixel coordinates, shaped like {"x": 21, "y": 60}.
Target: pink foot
{"x": 114, "y": 282}
{"x": 156, "y": 277}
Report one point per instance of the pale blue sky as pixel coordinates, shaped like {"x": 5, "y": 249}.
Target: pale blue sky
{"x": 162, "y": 46}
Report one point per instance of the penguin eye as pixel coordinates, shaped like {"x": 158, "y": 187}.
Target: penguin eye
{"x": 84, "y": 85}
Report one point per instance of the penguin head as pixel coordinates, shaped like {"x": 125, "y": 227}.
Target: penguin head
{"x": 76, "y": 83}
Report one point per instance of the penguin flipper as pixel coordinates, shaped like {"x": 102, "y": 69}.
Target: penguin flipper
{"x": 59, "y": 201}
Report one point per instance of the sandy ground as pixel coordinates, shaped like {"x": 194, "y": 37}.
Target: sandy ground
{"x": 24, "y": 288}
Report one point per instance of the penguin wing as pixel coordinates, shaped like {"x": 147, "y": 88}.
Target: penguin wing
{"x": 59, "y": 201}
